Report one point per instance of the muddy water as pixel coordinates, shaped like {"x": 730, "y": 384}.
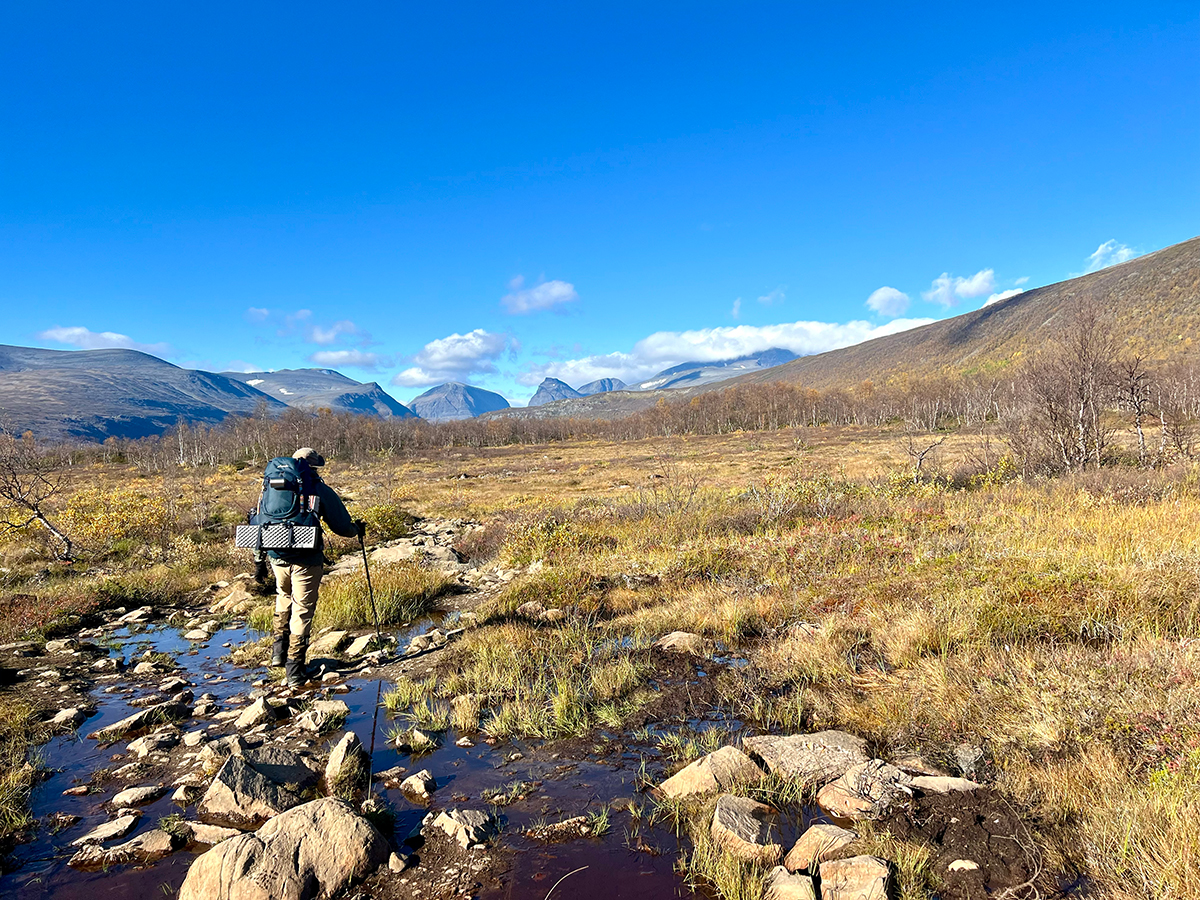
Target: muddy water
{"x": 628, "y": 862}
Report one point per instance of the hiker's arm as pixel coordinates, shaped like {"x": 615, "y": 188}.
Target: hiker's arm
{"x": 333, "y": 511}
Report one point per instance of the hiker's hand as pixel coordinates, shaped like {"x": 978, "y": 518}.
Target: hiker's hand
{"x": 360, "y": 527}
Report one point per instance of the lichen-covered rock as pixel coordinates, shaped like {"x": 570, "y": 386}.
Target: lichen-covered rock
{"x": 315, "y": 850}
{"x": 745, "y": 829}
{"x": 868, "y": 790}
{"x": 811, "y": 759}
{"x": 721, "y": 770}
{"x": 148, "y": 847}
{"x": 856, "y": 878}
{"x": 817, "y": 844}
{"x": 783, "y": 885}
{"x": 240, "y": 797}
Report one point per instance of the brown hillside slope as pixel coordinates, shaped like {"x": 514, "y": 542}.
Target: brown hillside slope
{"x": 1154, "y": 301}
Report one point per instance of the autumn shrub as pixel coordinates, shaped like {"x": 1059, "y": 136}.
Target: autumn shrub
{"x": 127, "y": 521}
{"x": 385, "y": 521}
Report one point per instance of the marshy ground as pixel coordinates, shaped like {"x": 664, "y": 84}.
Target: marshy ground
{"x": 1037, "y": 635}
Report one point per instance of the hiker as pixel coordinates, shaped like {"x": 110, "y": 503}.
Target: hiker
{"x": 298, "y": 571}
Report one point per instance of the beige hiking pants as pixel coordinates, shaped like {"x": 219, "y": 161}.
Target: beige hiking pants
{"x": 295, "y": 603}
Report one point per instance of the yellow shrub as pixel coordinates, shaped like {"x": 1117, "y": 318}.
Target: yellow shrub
{"x": 100, "y": 521}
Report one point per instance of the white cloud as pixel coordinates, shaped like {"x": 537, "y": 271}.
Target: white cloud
{"x": 357, "y": 358}
{"x": 1003, "y": 295}
{"x": 887, "y": 301}
{"x": 1021, "y": 280}
{"x": 257, "y": 314}
{"x": 736, "y": 312}
{"x": 324, "y": 336}
{"x": 545, "y": 295}
{"x": 663, "y": 349}
{"x": 948, "y": 290}
{"x": 240, "y": 365}
{"x": 1109, "y": 254}
{"x": 78, "y": 336}
{"x": 456, "y": 358}
{"x": 776, "y": 296}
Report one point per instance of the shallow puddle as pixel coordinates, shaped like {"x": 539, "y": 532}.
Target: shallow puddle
{"x": 628, "y": 862}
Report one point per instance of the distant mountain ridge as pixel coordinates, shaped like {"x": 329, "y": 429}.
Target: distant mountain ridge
{"x": 454, "y": 400}
{"x": 691, "y": 374}
{"x": 324, "y": 389}
{"x": 552, "y": 389}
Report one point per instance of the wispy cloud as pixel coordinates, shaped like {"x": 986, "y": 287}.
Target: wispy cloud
{"x": 544, "y": 295}
{"x": 1002, "y": 295}
{"x": 303, "y": 324}
{"x": 887, "y": 301}
{"x": 456, "y": 357}
{"x": 1109, "y": 254}
{"x": 947, "y": 290}
{"x": 78, "y": 336}
{"x": 358, "y": 359}
{"x": 773, "y": 298}
{"x": 668, "y": 348}
{"x": 736, "y": 312}
{"x": 319, "y": 335}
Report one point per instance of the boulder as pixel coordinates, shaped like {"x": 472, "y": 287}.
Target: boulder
{"x": 683, "y": 642}
{"x": 349, "y": 767}
{"x": 141, "y": 720}
{"x": 329, "y": 642}
{"x": 419, "y": 786}
{"x": 323, "y": 715}
{"x": 467, "y": 826}
{"x": 744, "y": 828}
{"x": 868, "y": 790}
{"x": 817, "y": 844}
{"x": 242, "y": 798}
{"x": 317, "y": 849}
{"x": 856, "y": 878}
{"x": 282, "y": 766}
{"x": 810, "y": 759}
{"x": 721, "y": 770}
{"x": 109, "y": 831}
{"x": 783, "y": 885}
{"x": 138, "y": 796}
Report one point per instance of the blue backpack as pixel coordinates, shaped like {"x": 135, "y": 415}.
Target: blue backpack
{"x": 289, "y": 494}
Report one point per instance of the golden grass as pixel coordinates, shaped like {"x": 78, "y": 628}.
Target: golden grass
{"x": 403, "y": 592}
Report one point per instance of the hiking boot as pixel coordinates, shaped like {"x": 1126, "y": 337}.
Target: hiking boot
{"x": 296, "y": 673}
{"x": 278, "y": 652}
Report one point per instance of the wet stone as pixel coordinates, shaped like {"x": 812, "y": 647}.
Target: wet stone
{"x": 143, "y": 719}
{"x": 323, "y": 715}
{"x": 466, "y": 826}
{"x": 419, "y": 785}
{"x": 109, "y": 831}
{"x": 72, "y": 717}
{"x": 719, "y": 771}
{"x": 240, "y": 797}
{"x": 745, "y": 829}
{"x": 139, "y": 796}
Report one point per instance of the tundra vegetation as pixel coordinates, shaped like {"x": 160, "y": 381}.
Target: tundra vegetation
{"x": 1028, "y": 586}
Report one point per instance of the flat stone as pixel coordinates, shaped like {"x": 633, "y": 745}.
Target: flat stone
{"x": 783, "y": 885}
{"x": 139, "y": 721}
{"x": 810, "y": 759}
{"x": 72, "y": 717}
{"x": 185, "y": 794}
{"x": 282, "y": 766}
{"x": 467, "y": 826}
{"x": 151, "y": 743}
{"x": 240, "y": 797}
{"x": 934, "y": 784}
{"x": 361, "y": 645}
{"x": 62, "y": 645}
{"x": 256, "y": 713}
{"x": 817, "y": 844}
{"x": 315, "y": 850}
{"x": 683, "y": 642}
{"x": 138, "y": 796}
{"x": 109, "y": 831}
{"x": 148, "y": 847}
{"x": 856, "y": 878}
{"x": 868, "y": 790}
{"x": 330, "y": 642}
{"x": 197, "y": 635}
{"x": 721, "y": 770}
{"x": 963, "y": 865}
{"x": 194, "y": 738}
{"x": 745, "y": 828}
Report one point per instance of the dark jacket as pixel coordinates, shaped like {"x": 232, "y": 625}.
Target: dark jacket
{"x": 333, "y": 511}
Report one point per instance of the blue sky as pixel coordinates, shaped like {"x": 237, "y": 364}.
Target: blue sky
{"x": 497, "y": 193}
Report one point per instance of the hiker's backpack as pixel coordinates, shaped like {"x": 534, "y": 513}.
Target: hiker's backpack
{"x": 288, "y": 516}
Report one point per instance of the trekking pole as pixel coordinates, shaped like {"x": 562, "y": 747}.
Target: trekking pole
{"x": 370, "y": 590}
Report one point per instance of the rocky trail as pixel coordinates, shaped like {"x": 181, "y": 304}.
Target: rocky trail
{"x": 180, "y": 766}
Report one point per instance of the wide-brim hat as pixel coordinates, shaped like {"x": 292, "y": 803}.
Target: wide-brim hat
{"x": 311, "y": 456}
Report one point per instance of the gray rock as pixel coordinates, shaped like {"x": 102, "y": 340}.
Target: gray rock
{"x": 856, "y": 878}
{"x": 467, "y": 826}
{"x": 138, "y": 796}
{"x": 868, "y": 790}
{"x": 349, "y": 767}
{"x": 63, "y": 645}
{"x": 72, "y": 717}
{"x": 721, "y": 770}
{"x": 194, "y": 738}
{"x": 144, "y": 746}
{"x": 139, "y": 721}
{"x": 282, "y": 766}
{"x": 202, "y": 833}
{"x": 817, "y": 844}
{"x": 148, "y": 847}
{"x": 240, "y": 797}
{"x": 419, "y": 785}
{"x": 968, "y": 758}
{"x": 811, "y": 759}
{"x": 745, "y": 828}
{"x": 256, "y": 713}
{"x": 109, "y": 831}
{"x": 323, "y": 715}
{"x": 214, "y": 754}
{"x": 329, "y": 642}
{"x": 315, "y": 850}
{"x": 362, "y": 645}
{"x": 934, "y": 784}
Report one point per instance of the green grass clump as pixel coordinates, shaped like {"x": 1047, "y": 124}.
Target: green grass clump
{"x": 18, "y": 732}
{"x": 403, "y": 592}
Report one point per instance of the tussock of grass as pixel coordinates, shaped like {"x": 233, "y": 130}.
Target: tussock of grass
{"x": 403, "y": 591}
{"x": 18, "y": 731}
